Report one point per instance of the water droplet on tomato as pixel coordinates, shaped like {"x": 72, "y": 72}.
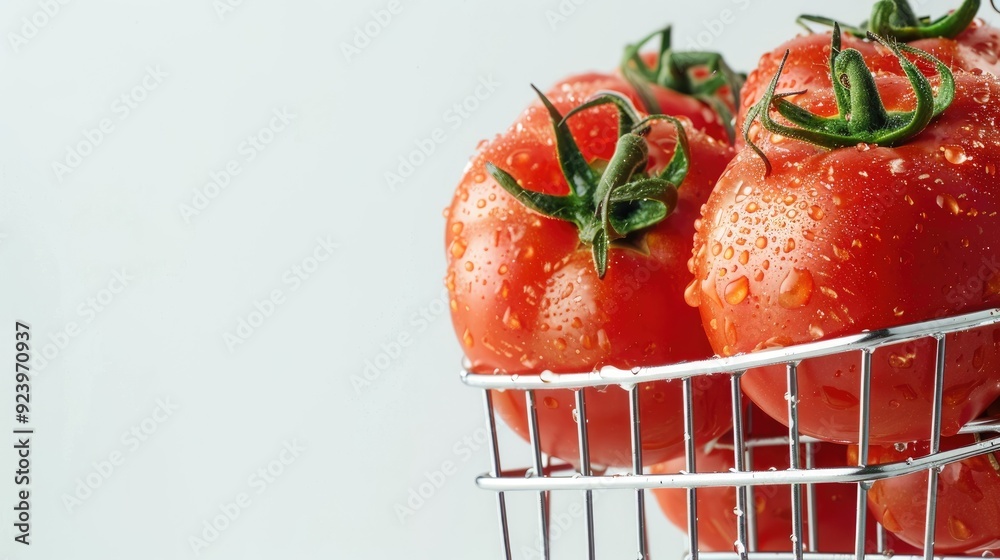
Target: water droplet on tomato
{"x": 469, "y": 266}
{"x": 550, "y": 402}
{"x": 838, "y": 399}
{"x": 796, "y": 289}
{"x": 481, "y": 203}
{"x": 954, "y": 154}
{"x": 716, "y": 249}
{"x": 958, "y": 529}
{"x": 893, "y": 404}
{"x": 458, "y": 247}
{"x": 511, "y": 320}
{"x": 761, "y": 242}
{"x": 737, "y": 290}
{"x": 949, "y": 203}
{"x": 559, "y": 343}
{"x": 816, "y": 332}
{"x": 728, "y": 254}
{"x": 816, "y": 213}
{"x": 603, "y": 341}
{"x": 502, "y": 270}
{"x": 744, "y": 257}
{"x": 752, "y": 207}
{"x": 992, "y": 286}
{"x": 692, "y": 293}
{"x": 901, "y": 361}
{"x": 467, "y": 339}
{"x": 979, "y": 358}
{"x": 981, "y": 96}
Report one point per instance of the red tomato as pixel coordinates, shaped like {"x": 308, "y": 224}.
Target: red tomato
{"x": 835, "y": 241}
{"x": 525, "y": 295}
{"x": 968, "y": 502}
{"x": 836, "y": 504}
{"x": 975, "y": 50}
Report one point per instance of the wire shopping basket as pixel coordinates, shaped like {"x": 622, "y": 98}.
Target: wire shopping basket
{"x": 543, "y": 477}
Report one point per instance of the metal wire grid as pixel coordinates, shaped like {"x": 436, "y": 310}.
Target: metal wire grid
{"x": 542, "y": 477}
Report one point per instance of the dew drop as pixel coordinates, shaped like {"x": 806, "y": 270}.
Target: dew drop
{"x": 502, "y": 270}
{"x": 458, "y": 247}
{"x": 692, "y": 293}
{"x": 469, "y": 266}
{"x": 744, "y": 257}
{"x": 901, "y": 361}
{"x": 761, "y": 242}
{"x": 559, "y": 343}
{"x": 816, "y": 213}
{"x": 796, "y": 289}
{"x": 504, "y": 289}
{"x": 816, "y": 332}
{"x": 958, "y": 529}
{"x": 728, "y": 254}
{"x": 949, "y": 203}
{"x": 481, "y": 203}
{"x": 467, "y": 339}
{"x": 789, "y": 245}
{"x": 511, "y": 320}
{"x": 954, "y": 154}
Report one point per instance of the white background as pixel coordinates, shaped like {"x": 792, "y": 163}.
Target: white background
{"x": 219, "y": 75}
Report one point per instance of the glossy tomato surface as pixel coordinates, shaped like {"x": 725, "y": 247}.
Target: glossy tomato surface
{"x": 968, "y": 499}
{"x": 525, "y": 295}
{"x": 836, "y": 504}
{"x": 807, "y": 70}
{"x": 834, "y": 242}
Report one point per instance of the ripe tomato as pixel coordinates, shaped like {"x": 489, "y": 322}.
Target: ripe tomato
{"x": 834, "y": 241}
{"x": 526, "y": 297}
{"x": 699, "y": 85}
{"x": 836, "y": 504}
{"x": 968, "y": 501}
{"x": 976, "y": 49}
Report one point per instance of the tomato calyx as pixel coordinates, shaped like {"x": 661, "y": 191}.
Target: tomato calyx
{"x": 896, "y": 19}
{"x": 621, "y": 199}
{"x": 677, "y": 70}
{"x": 861, "y": 114}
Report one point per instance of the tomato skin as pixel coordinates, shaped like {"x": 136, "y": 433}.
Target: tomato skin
{"x": 842, "y": 240}
{"x": 968, "y": 503}
{"x": 975, "y": 50}
{"x": 525, "y": 296}
{"x": 836, "y": 504}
